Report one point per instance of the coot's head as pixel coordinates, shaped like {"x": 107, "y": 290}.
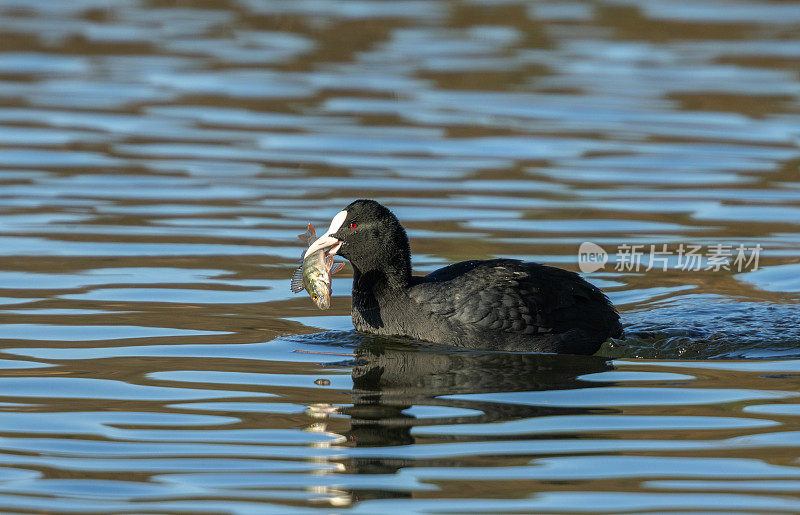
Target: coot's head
{"x": 369, "y": 236}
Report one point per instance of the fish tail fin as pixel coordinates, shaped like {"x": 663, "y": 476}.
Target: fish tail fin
{"x": 297, "y": 280}
{"x": 310, "y": 236}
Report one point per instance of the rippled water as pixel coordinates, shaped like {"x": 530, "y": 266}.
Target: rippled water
{"x": 158, "y": 159}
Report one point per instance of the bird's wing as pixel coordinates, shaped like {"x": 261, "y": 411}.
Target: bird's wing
{"x": 486, "y": 297}
{"x": 515, "y": 297}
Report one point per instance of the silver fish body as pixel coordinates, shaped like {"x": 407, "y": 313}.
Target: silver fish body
{"x": 315, "y": 273}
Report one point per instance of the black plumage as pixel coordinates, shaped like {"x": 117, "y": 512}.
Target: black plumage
{"x": 502, "y": 304}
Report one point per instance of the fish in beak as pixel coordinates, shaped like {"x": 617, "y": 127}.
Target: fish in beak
{"x": 316, "y": 271}
{"x": 326, "y": 240}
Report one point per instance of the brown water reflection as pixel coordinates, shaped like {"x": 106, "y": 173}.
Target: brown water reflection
{"x": 158, "y": 158}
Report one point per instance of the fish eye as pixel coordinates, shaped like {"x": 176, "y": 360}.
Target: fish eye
{"x": 353, "y": 225}
{"x": 315, "y": 297}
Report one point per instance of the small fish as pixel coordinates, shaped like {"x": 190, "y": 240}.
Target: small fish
{"x": 315, "y": 273}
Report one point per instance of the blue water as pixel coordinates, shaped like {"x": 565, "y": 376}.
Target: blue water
{"x": 158, "y": 159}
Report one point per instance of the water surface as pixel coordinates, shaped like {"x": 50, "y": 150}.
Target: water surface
{"x": 158, "y": 159}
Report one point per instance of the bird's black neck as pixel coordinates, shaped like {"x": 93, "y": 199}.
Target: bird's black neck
{"x": 378, "y": 279}
{"x": 386, "y": 266}
{"x": 368, "y": 290}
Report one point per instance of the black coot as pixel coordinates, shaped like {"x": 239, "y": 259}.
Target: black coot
{"x": 491, "y": 304}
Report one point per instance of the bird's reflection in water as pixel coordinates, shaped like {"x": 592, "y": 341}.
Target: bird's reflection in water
{"x": 390, "y": 378}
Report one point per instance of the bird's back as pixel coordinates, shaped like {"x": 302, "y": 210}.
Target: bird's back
{"x": 505, "y": 304}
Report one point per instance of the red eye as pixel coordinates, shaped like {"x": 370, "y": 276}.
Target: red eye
{"x": 353, "y": 225}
